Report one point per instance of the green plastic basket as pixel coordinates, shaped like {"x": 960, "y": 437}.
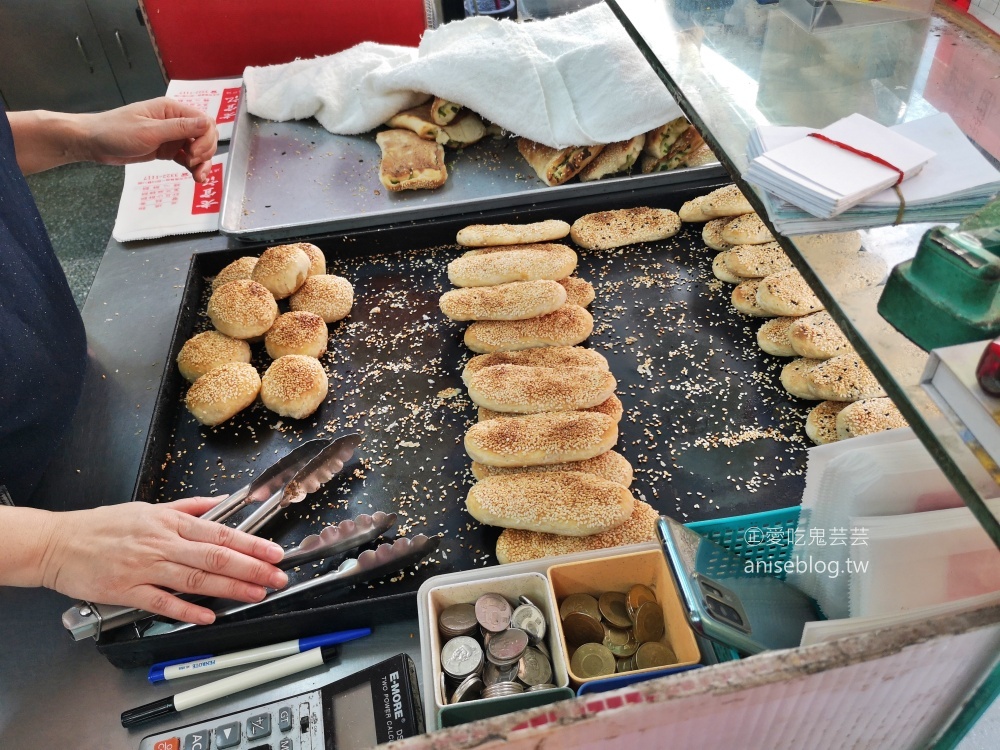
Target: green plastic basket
{"x": 762, "y": 537}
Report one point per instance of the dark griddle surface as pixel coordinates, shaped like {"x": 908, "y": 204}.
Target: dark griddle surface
{"x": 707, "y": 427}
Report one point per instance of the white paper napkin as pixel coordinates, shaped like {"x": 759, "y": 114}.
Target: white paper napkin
{"x": 956, "y": 182}
{"x": 160, "y": 198}
{"x": 219, "y": 99}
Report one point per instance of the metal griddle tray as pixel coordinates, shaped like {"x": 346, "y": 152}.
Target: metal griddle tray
{"x": 707, "y": 426}
{"x": 295, "y": 178}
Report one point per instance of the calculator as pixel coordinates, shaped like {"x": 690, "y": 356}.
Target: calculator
{"x": 376, "y": 705}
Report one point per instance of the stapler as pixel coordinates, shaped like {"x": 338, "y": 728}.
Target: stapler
{"x": 950, "y": 292}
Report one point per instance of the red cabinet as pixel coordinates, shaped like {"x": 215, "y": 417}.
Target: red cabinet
{"x": 218, "y": 38}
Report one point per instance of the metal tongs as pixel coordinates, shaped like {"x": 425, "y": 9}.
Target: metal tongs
{"x": 289, "y": 480}
{"x": 370, "y": 564}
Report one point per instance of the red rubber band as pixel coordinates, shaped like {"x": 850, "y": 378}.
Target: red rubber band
{"x": 859, "y": 152}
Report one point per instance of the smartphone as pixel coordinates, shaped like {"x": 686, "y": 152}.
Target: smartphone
{"x": 727, "y": 602}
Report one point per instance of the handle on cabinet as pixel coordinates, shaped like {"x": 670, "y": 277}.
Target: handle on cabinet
{"x": 83, "y": 53}
{"x": 121, "y": 46}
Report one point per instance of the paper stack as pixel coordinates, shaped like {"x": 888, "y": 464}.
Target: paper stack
{"x": 882, "y": 531}
{"x": 826, "y": 172}
{"x": 161, "y": 199}
{"x": 219, "y": 99}
{"x": 952, "y": 184}
{"x": 950, "y": 380}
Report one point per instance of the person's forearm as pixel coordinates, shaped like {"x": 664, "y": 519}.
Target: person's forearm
{"x": 43, "y": 140}
{"x": 24, "y": 544}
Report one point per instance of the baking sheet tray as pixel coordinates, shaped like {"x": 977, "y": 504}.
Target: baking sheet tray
{"x": 294, "y": 179}
{"x": 707, "y": 426}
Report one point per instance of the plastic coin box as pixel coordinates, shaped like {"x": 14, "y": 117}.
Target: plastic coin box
{"x": 619, "y": 573}
{"x": 441, "y": 591}
{"x": 532, "y": 585}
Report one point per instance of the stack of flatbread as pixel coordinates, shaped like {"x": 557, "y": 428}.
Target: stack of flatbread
{"x": 413, "y": 153}
{"x": 412, "y": 147}
{"x": 675, "y": 144}
{"x": 548, "y": 414}
{"x": 826, "y": 367}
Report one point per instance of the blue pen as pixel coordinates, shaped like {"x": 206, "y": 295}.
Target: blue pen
{"x": 171, "y": 670}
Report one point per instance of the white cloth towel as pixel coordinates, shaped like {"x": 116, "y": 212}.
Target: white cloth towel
{"x": 569, "y": 81}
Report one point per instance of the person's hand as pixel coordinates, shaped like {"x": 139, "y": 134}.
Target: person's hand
{"x": 136, "y": 553}
{"x": 155, "y": 129}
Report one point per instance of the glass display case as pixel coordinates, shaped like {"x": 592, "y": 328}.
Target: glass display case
{"x": 735, "y": 64}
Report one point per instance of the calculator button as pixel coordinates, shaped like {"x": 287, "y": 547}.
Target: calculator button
{"x": 286, "y": 744}
{"x": 197, "y": 740}
{"x": 173, "y": 743}
{"x": 258, "y": 726}
{"x": 285, "y": 719}
{"x": 228, "y": 735}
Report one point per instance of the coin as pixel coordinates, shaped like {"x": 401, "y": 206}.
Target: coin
{"x": 469, "y": 690}
{"x": 649, "y": 622}
{"x": 492, "y": 674}
{"x": 544, "y": 649}
{"x": 456, "y": 620}
{"x": 630, "y": 647}
{"x": 444, "y": 687}
{"x": 493, "y": 612}
{"x": 525, "y": 600}
{"x": 622, "y": 665}
{"x": 461, "y": 657}
{"x": 580, "y": 603}
{"x": 536, "y": 688}
{"x": 581, "y": 627}
{"x": 534, "y": 668}
{"x": 530, "y": 619}
{"x": 613, "y": 609}
{"x": 501, "y": 689}
{"x": 507, "y": 647}
{"x": 592, "y": 660}
{"x": 654, "y": 654}
{"x": 636, "y": 597}
{"x": 616, "y": 637}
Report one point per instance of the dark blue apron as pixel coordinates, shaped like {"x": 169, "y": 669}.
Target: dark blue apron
{"x": 43, "y": 347}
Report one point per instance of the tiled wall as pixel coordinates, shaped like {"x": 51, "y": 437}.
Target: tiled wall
{"x": 987, "y": 11}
